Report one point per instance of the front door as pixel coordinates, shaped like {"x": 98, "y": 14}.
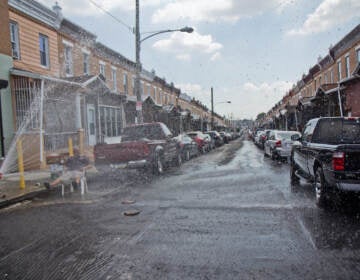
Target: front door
{"x": 91, "y": 124}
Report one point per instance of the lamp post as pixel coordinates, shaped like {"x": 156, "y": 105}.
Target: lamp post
{"x": 212, "y": 107}
{"x": 138, "y": 42}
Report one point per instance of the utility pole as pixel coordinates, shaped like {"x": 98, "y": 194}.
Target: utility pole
{"x": 139, "y": 115}
{"x": 212, "y": 109}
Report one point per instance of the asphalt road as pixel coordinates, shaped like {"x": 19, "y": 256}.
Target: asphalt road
{"x": 229, "y": 214}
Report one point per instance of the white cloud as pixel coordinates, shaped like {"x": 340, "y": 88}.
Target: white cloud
{"x": 86, "y": 8}
{"x": 183, "y": 44}
{"x": 215, "y": 10}
{"x": 328, "y": 14}
{"x": 215, "y": 56}
{"x": 184, "y": 57}
{"x": 196, "y": 91}
{"x": 247, "y": 100}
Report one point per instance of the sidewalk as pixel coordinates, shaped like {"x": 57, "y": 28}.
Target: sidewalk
{"x": 10, "y": 191}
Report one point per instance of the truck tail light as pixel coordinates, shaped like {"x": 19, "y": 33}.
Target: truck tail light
{"x": 278, "y": 143}
{"x": 338, "y": 161}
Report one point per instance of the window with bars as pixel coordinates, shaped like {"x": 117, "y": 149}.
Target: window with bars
{"x": 110, "y": 121}
{"x": 44, "y": 50}
{"x": 14, "y": 39}
{"x": 26, "y": 92}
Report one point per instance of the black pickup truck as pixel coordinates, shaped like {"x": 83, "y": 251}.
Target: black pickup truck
{"x": 328, "y": 154}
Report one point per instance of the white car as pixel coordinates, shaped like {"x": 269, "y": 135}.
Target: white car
{"x": 279, "y": 144}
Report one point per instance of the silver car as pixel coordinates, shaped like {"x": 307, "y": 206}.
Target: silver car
{"x": 279, "y": 143}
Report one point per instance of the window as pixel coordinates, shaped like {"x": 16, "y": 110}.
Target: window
{"x": 326, "y": 78}
{"x": 68, "y": 61}
{"x": 347, "y": 64}
{"x": 113, "y": 77}
{"x": 25, "y": 91}
{"x": 332, "y": 76}
{"x": 125, "y": 83}
{"x": 133, "y": 85}
{"x": 110, "y": 121}
{"x": 86, "y": 63}
{"x": 102, "y": 69}
{"x": 308, "y": 131}
{"x": 358, "y": 54}
{"x": 14, "y": 38}
{"x": 44, "y": 50}
{"x": 339, "y": 70}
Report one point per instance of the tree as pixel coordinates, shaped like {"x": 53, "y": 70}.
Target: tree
{"x": 260, "y": 116}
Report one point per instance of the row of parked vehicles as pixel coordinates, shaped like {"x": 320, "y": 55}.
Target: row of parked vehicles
{"x": 153, "y": 146}
{"x": 326, "y": 154}
{"x": 277, "y": 144}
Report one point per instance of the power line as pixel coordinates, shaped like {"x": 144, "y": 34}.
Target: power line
{"x": 131, "y": 29}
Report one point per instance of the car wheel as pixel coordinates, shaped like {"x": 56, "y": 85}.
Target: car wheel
{"x": 158, "y": 165}
{"x": 294, "y": 180}
{"x": 178, "y": 160}
{"x": 187, "y": 155}
{"x": 321, "y": 195}
{"x": 272, "y": 154}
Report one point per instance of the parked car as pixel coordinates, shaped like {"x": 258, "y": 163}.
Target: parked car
{"x": 328, "y": 154}
{"x": 257, "y": 139}
{"x": 217, "y": 137}
{"x": 264, "y": 136}
{"x": 201, "y": 140}
{"x": 279, "y": 144}
{"x": 188, "y": 147}
{"x": 147, "y": 145}
{"x": 210, "y": 139}
{"x": 224, "y": 136}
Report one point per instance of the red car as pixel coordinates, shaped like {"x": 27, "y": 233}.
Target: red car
{"x": 201, "y": 140}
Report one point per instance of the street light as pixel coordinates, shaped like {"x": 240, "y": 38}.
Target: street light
{"x": 212, "y": 107}
{"x": 138, "y": 41}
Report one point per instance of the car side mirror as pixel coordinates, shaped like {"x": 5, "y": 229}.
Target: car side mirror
{"x": 296, "y": 137}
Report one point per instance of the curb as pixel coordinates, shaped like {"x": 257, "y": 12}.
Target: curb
{"x": 21, "y": 198}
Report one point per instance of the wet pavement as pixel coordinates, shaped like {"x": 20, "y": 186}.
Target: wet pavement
{"x": 229, "y": 214}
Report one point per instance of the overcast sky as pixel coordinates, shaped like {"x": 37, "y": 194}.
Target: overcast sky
{"x": 250, "y": 51}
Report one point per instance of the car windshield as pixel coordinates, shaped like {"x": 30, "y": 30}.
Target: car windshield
{"x": 182, "y": 113}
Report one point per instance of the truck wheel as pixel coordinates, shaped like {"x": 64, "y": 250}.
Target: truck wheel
{"x": 321, "y": 194}
{"x": 294, "y": 180}
{"x": 158, "y": 165}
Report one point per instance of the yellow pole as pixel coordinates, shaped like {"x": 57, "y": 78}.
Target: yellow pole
{"x": 81, "y": 141}
{"x": 71, "y": 149}
{"x": 20, "y": 163}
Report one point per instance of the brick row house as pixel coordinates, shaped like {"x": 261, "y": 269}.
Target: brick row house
{"x": 330, "y": 88}
{"x": 64, "y": 83}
